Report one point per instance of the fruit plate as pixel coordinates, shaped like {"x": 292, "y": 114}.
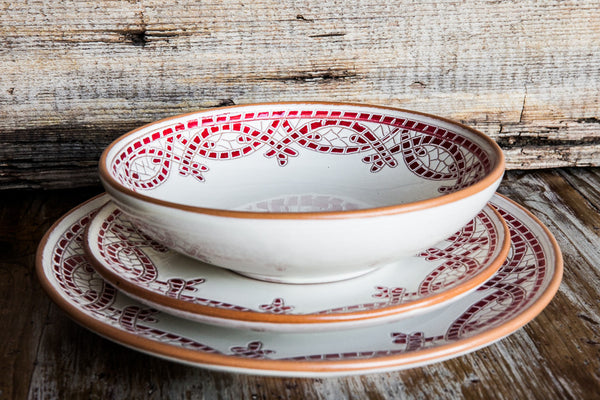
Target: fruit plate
{"x": 515, "y": 295}
{"x": 179, "y": 285}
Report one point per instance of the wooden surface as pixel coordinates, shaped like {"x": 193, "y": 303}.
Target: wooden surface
{"x": 46, "y": 355}
{"x": 76, "y": 74}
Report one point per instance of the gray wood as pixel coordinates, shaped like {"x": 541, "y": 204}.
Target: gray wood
{"x": 46, "y": 355}
{"x": 74, "y": 75}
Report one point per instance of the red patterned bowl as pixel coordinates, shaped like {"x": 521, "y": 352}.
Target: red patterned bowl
{"x": 301, "y": 192}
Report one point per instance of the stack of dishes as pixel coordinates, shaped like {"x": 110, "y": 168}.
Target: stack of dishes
{"x": 301, "y": 239}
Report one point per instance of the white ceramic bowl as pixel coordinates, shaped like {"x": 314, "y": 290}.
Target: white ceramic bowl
{"x": 301, "y": 192}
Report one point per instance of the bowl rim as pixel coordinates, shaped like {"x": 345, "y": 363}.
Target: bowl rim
{"x": 489, "y": 179}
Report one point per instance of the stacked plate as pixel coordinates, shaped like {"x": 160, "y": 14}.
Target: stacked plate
{"x": 301, "y": 239}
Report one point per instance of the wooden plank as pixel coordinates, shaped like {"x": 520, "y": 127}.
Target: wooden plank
{"x": 572, "y": 319}
{"x": 587, "y": 182}
{"x": 24, "y": 218}
{"x": 74, "y": 75}
{"x": 552, "y": 156}
{"x": 46, "y": 355}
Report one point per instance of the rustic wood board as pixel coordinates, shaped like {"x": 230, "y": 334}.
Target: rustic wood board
{"x": 46, "y": 355}
{"x": 76, "y": 74}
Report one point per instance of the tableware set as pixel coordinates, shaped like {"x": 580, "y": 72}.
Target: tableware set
{"x": 301, "y": 239}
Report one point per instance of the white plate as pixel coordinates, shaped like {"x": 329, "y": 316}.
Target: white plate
{"x": 518, "y": 292}
{"x": 170, "y": 282}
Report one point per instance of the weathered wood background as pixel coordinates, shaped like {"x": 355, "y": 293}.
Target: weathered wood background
{"x": 76, "y": 74}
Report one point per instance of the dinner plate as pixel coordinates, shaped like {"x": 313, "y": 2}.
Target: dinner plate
{"x": 518, "y": 292}
{"x": 173, "y": 283}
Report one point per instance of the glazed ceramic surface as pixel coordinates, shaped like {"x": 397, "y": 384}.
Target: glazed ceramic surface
{"x": 522, "y": 287}
{"x": 166, "y": 280}
{"x": 301, "y": 192}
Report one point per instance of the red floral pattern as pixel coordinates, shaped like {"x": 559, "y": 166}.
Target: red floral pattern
{"x": 190, "y": 146}
{"x": 82, "y": 285}
{"x": 277, "y": 306}
{"x": 511, "y": 290}
{"x": 251, "y": 350}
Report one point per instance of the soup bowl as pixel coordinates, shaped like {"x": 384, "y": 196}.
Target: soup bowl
{"x": 301, "y": 192}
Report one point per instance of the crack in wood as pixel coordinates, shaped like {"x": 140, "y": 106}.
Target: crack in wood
{"x": 327, "y": 35}
{"x": 523, "y": 105}
{"x": 589, "y": 120}
{"x": 313, "y": 76}
{"x": 540, "y": 141}
{"x": 137, "y": 37}
{"x": 225, "y": 103}
{"x": 300, "y": 17}
{"x": 421, "y": 85}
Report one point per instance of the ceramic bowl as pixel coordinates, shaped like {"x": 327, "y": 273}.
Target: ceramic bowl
{"x": 301, "y": 192}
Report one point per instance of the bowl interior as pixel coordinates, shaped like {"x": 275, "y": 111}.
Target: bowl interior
{"x": 300, "y": 158}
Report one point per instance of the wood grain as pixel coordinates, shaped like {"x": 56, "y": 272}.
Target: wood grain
{"x": 24, "y": 217}
{"x": 46, "y": 355}
{"x": 76, "y": 74}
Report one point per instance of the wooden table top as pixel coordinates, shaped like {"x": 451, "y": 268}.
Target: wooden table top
{"x": 46, "y": 355}
{"x": 523, "y": 72}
